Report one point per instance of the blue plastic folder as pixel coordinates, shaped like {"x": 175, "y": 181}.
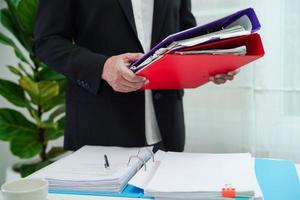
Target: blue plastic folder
{"x": 129, "y": 192}
{"x": 278, "y": 180}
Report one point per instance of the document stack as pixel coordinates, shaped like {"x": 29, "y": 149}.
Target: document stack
{"x": 187, "y": 59}
{"x": 87, "y": 170}
{"x": 199, "y": 176}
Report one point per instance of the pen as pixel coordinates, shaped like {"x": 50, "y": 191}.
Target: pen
{"x": 106, "y": 163}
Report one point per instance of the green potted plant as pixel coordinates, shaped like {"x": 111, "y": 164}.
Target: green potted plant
{"x": 39, "y": 91}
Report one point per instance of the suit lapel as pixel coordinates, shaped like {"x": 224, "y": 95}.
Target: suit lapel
{"x": 127, "y": 9}
{"x": 158, "y": 20}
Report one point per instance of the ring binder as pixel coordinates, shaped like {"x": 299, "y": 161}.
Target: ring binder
{"x": 80, "y": 171}
{"x": 141, "y": 159}
{"x": 144, "y": 162}
{"x": 151, "y": 153}
{"x": 166, "y": 70}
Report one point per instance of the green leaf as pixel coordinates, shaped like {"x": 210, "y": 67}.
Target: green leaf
{"x": 24, "y": 39}
{"x": 25, "y": 10}
{"x": 54, "y": 152}
{"x": 55, "y": 133}
{"x": 9, "y": 42}
{"x": 22, "y": 68}
{"x": 40, "y": 92}
{"x": 7, "y": 22}
{"x": 26, "y": 170}
{"x": 57, "y": 112}
{"x": 47, "y": 124}
{"x": 49, "y": 74}
{"x": 58, "y": 100}
{"x": 6, "y": 40}
{"x": 15, "y": 125}
{"x": 14, "y": 70}
{"x": 13, "y": 93}
{"x": 26, "y": 147}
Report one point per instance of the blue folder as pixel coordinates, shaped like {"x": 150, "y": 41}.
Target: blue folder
{"x": 278, "y": 180}
{"x": 129, "y": 192}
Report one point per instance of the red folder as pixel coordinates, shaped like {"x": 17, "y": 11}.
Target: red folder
{"x": 174, "y": 71}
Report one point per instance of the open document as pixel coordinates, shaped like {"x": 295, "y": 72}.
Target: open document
{"x": 85, "y": 170}
{"x": 199, "y": 176}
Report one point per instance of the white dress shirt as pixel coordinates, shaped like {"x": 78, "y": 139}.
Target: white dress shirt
{"x": 143, "y": 16}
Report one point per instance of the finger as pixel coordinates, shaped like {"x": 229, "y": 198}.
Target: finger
{"x": 130, "y": 76}
{"x": 131, "y": 57}
{"x": 132, "y": 85}
{"x": 211, "y": 78}
{"x": 219, "y": 81}
{"x": 123, "y": 89}
{"x": 233, "y": 73}
{"x": 230, "y": 78}
{"x": 224, "y": 76}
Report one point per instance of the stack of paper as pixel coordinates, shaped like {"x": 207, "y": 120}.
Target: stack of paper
{"x": 199, "y": 176}
{"x": 218, "y": 35}
{"x": 234, "y": 51}
{"x": 84, "y": 169}
{"x": 181, "y": 44}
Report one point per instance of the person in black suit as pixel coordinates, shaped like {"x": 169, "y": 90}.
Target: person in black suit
{"x": 88, "y": 41}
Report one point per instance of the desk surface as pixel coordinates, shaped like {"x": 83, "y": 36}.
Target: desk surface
{"x": 73, "y": 197}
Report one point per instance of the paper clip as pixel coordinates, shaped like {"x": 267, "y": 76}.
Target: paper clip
{"x": 228, "y": 191}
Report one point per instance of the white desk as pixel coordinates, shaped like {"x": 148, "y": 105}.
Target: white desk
{"x": 73, "y": 197}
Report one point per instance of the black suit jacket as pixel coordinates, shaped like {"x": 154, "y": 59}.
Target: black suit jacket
{"x": 75, "y": 37}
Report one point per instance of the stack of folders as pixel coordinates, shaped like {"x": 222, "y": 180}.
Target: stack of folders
{"x": 199, "y": 176}
{"x": 187, "y": 59}
{"x": 85, "y": 171}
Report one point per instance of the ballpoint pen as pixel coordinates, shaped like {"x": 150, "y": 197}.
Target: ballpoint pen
{"x": 106, "y": 163}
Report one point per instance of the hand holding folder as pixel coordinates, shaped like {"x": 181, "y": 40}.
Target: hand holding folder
{"x": 169, "y": 65}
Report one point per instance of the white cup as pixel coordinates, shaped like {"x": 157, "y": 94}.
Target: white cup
{"x": 25, "y": 189}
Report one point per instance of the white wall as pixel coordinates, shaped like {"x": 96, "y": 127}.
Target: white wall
{"x": 258, "y": 112}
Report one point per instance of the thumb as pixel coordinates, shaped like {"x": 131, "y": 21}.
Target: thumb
{"x": 131, "y": 57}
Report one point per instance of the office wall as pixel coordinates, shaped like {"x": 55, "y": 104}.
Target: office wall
{"x": 259, "y": 112}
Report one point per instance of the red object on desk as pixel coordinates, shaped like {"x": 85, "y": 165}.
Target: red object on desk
{"x": 228, "y": 192}
{"x": 174, "y": 71}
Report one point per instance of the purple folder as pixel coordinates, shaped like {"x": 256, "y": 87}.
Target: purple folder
{"x": 200, "y": 30}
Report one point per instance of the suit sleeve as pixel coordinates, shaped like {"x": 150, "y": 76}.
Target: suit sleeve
{"x": 187, "y": 19}
{"x": 54, "y": 46}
